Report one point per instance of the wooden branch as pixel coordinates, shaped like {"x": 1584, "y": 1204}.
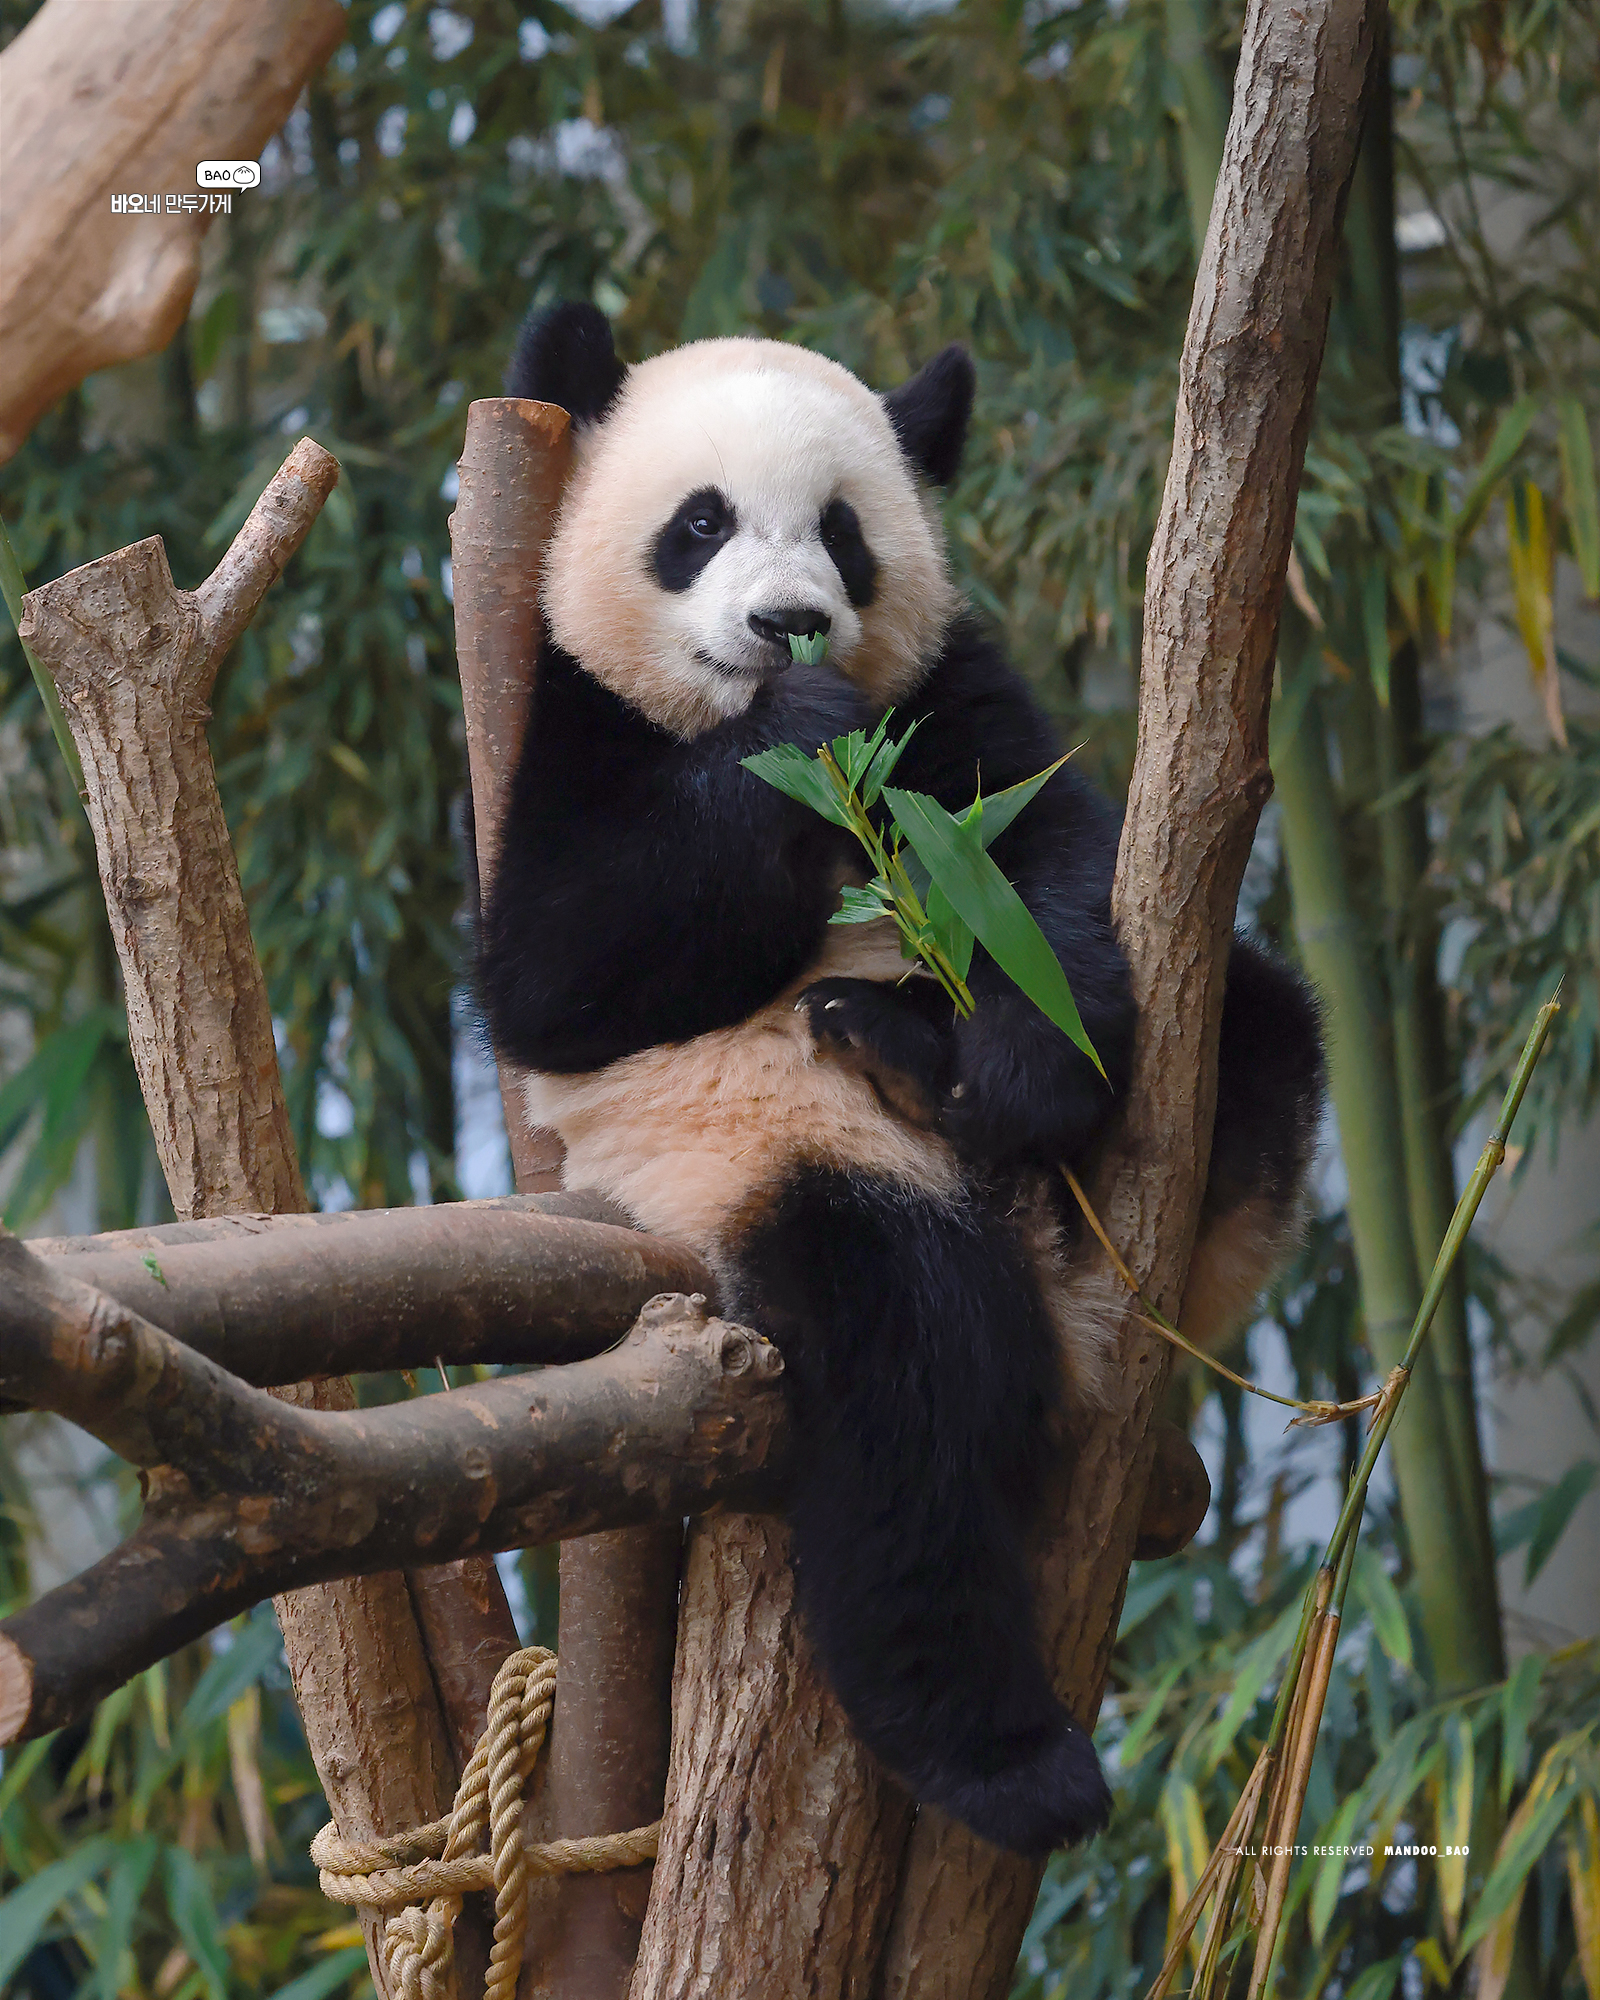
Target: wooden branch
{"x": 257, "y": 1495}
{"x": 618, "y": 1592}
{"x": 134, "y": 661}
{"x": 391, "y": 1288}
{"x": 126, "y": 100}
{"x": 1251, "y": 358}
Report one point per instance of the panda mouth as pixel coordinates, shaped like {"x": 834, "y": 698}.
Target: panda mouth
{"x": 756, "y": 671}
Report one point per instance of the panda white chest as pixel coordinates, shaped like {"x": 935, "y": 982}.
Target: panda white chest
{"x": 681, "y": 1136}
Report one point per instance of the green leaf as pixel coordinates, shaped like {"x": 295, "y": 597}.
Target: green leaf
{"x": 256, "y": 1646}
{"x": 1332, "y": 1868}
{"x": 954, "y": 934}
{"x": 1533, "y": 1827}
{"x": 1132, "y": 1746}
{"x": 1377, "y": 1982}
{"x": 861, "y": 906}
{"x": 1518, "y": 1700}
{"x": 809, "y": 648}
{"x": 1376, "y": 1592}
{"x": 955, "y": 859}
{"x": 1555, "y": 1511}
{"x": 194, "y": 1912}
{"x": 26, "y": 1911}
{"x": 880, "y": 765}
{"x": 124, "y": 1890}
{"x": 1503, "y": 448}
{"x": 322, "y": 1979}
{"x": 1001, "y": 808}
{"x": 1255, "y": 1665}
{"x": 1375, "y": 626}
{"x": 802, "y": 778}
{"x": 1578, "y": 493}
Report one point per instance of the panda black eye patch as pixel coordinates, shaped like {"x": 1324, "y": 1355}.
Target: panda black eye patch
{"x": 847, "y": 546}
{"x": 698, "y": 528}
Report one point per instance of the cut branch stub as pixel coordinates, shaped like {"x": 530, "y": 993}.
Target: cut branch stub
{"x": 1216, "y": 572}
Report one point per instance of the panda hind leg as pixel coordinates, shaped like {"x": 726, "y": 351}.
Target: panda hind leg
{"x": 923, "y": 1372}
{"x": 1269, "y": 1107}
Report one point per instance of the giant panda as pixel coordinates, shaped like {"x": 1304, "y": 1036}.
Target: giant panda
{"x": 875, "y": 1182}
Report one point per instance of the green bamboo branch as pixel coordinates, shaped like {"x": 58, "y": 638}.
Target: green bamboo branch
{"x": 1297, "y": 1713}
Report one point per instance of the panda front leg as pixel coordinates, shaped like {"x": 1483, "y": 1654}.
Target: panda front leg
{"x": 924, "y": 1375}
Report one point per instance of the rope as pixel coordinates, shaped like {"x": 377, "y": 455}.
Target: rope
{"x": 439, "y": 1864}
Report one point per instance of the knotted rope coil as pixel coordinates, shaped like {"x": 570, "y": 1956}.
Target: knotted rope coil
{"x": 442, "y": 1862}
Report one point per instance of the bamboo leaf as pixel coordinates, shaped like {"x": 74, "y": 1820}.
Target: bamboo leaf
{"x": 955, "y": 936}
{"x": 26, "y": 1911}
{"x": 1334, "y": 1867}
{"x": 861, "y": 906}
{"x": 1555, "y": 1511}
{"x": 124, "y": 1890}
{"x": 1518, "y": 1699}
{"x": 1583, "y": 1875}
{"x": 322, "y": 1979}
{"x": 1375, "y": 626}
{"x": 190, "y": 1904}
{"x": 955, "y": 858}
{"x": 1433, "y": 1962}
{"x": 1132, "y": 1746}
{"x": 1504, "y": 446}
{"x": 256, "y": 1645}
{"x": 1188, "y": 1850}
{"x": 1532, "y": 1828}
{"x": 1578, "y": 492}
{"x": 801, "y": 778}
{"x": 1495, "y": 1953}
{"x": 1532, "y": 575}
{"x": 1376, "y": 1592}
{"x": 1377, "y": 1982}
{"x": 1001, "y": 808}
{"x": 1454, "y": 1821}
{"x": 1255, "y": 1666}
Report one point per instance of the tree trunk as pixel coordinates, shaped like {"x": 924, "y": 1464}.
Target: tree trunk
{"x": 126, "y": 100}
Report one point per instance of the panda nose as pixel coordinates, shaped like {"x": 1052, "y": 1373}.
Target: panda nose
{"x": 777, "y": 624}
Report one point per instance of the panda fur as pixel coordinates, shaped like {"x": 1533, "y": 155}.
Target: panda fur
{"x": 876, "y": 1184}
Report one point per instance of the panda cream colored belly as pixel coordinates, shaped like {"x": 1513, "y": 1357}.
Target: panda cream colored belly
{"x": 682, "y": 1135}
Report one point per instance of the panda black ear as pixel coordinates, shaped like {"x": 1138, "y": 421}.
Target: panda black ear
{"x": 930, "y": 414}
{"x": 566, "y": 356}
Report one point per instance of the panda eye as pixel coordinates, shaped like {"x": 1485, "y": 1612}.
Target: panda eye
{"x": 705, "y": 525}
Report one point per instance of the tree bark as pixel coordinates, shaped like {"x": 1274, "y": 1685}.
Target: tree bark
{"x": 782, "y": 1838}
{"x": 393, "y": 1288}
{"x": 1216, "y": 570}
{"x": 618, "y": 1592}
{"x": 126, "y": 100}
{"x": 134, "y": 661}
{"x": 254, "y": 1495}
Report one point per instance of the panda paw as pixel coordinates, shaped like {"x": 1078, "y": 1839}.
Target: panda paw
{"x": 896, "y": 1036}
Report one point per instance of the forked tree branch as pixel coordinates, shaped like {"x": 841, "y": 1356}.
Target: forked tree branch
{"x": 252, "y": 1495}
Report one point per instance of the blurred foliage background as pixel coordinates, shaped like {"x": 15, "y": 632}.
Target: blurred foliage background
{"x": 1031, "y": 178}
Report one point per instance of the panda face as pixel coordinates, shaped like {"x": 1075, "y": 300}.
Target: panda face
{"x": 734, "y": 493}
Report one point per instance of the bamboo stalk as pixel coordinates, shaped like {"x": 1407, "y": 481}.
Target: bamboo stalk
{"x": 1292, "y": 1737}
